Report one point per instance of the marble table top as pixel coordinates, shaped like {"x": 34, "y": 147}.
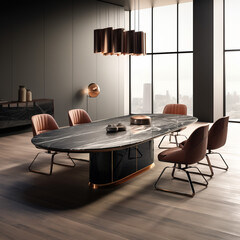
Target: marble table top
{"x": 90, "y": 137}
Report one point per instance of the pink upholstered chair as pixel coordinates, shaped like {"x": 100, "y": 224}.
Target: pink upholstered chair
{"x": 42, "y": 123}
{"x": 78, "y": 116}
{"x": 180, "y": 109}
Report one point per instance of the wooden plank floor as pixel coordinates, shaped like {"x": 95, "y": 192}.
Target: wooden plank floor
{"x": 62, "y": 206}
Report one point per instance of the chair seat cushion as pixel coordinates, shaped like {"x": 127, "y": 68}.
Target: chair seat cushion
{"x": 174, "y": 155}
{"x": 42, "y": 131}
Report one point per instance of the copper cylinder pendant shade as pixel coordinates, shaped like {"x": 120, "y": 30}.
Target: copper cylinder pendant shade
{"x": 98, "y": 41}
{"x": 93, "y": 90}
{"x": 107, "y": 41}
{"x": 140, "y": 43}
{"x": 129, "y": 40}
{"x": 118, "y": 41}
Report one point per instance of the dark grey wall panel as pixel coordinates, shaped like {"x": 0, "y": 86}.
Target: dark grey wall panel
{"x": 108, "y": 80}
{"x": 84, "y": 60}
{"x": 121, "y": 86}
{"x": 28, "y": 47}
{"x": 89, "y": 67}
{"x": 109, "y": 70}
{"x": 203, "y": 60}
{"x": 58, "y": 56}
{"x": 5, "y": 52}
{"x": 48, "y": 47}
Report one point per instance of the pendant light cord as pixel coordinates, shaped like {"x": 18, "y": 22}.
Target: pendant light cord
{"x": 117, "y": 18}
{"x": 135, "y": 19}
{"x": 99, "y": 15}
{"x": 124, "y": 19}
{"x": 108, "y": 18}
{"x": 138, "y": 15}
{"x": 114, "y": 24}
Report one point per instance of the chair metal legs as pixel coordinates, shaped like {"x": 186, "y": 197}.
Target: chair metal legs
{"x": 78, "y": 159}
{"x": 170, "y": 137}
{"x": 51, "y": 164}
{"x": 189, "y": 180}
{"x": 206, "y": 164}
{"x": 213, "y": 166}
{"x": 159, "y": 145}
{"x": 66, "y": 165}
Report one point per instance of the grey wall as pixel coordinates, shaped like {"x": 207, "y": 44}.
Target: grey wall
{"x": 48, "y": 47}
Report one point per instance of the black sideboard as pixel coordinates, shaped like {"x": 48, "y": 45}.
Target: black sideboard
{"x": 16, "y": 114}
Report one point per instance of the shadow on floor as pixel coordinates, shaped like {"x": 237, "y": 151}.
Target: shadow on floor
{"x": 68, "y": 188}
{"x": 65, "y": 189}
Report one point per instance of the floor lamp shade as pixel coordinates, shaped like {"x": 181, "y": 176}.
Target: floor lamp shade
{"x": 98, "y": 41}
{"x": 93, "y": 90}
{"x": 140, "y": 43}
{"x": 108, "y": 40}
{"x": 118, "y": 41}
{"x": 129, "y": 40}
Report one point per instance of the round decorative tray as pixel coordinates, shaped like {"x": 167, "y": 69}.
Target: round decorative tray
{"x": 140, "y": 120}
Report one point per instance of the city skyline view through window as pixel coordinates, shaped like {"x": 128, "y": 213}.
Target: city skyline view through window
{"x": 232, "y": 59}
{"x": 165, "y": 74}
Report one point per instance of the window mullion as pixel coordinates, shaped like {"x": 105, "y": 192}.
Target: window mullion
{"x": 177, "y": 54}
{"x": 152, "y": 65}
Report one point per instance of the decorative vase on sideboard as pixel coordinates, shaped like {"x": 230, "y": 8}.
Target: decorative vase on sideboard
{"x": 22, "y": 94}
{"x": 29, "y": 95}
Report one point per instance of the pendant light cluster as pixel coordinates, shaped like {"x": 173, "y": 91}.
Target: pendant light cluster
{"x": 109, "y": 41}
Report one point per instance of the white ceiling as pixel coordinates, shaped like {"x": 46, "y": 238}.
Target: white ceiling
{"x": 133, "y": 4}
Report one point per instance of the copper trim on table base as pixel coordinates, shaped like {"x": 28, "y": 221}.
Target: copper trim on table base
{"x": 120, "y": 181}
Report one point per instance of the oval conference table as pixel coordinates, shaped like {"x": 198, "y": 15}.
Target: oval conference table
{"x": 114, "y": 157}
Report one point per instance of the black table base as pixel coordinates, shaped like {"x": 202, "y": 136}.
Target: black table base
{"x": 115, "y": 167}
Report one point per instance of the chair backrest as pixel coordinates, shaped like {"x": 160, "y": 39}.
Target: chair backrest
{"x": 196, "y": 145}
{"x": 43, "y": 123}
{"x": 175, "y": 109}
{"x": 78, "y": 116}
{"x": 217, "y": 135}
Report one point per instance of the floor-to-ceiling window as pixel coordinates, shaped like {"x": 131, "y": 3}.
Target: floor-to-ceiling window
{"x": 232, "y": 59}
{"x": 165, "y": 74}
